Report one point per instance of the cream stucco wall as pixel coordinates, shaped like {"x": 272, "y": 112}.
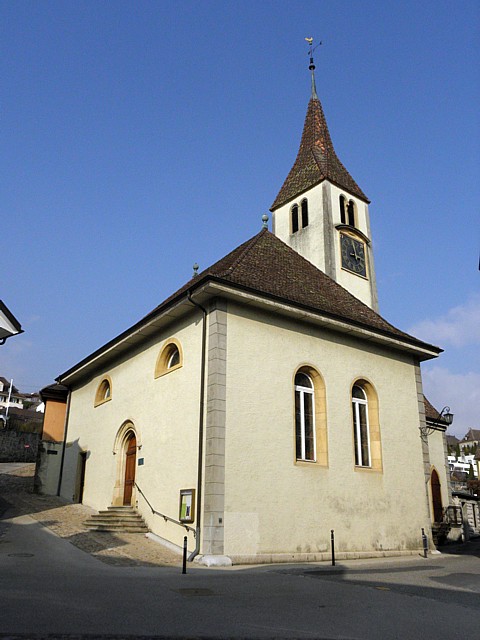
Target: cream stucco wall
{"x": 274, "y": 504}
{"x": 437, "y": 455}
{"x": 164, "y": 412}
{"x": 260, "y": 500}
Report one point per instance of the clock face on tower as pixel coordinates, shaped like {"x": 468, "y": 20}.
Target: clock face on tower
{"x": 353, "y": 255}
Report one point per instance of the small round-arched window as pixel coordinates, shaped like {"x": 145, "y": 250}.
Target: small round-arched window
{"x": 169, "y": 358}
{"x": 104, "y": 391}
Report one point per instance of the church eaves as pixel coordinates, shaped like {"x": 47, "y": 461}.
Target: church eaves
{"x": 265, "y": 266}
{"x": 316, "y": 160}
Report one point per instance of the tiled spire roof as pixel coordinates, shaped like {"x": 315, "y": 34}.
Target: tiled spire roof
{"x": 316, "y": 160}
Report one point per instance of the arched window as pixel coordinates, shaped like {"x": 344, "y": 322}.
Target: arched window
{"x": 174, "y": 358}
{"x": 304, "y": 417}
{"x": 343, "y": 217}
{"x": 104, "y": 391}
{"x": 304, "y": 213}
{"x": 294, "y": 213}
{"x": 366, "y": 426}
{"x": 351, "y": 213}
{"x": 360, "y": 427}
{"x": 170, "y": 357}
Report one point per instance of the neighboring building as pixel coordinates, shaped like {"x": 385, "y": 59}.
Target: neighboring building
{"x": 10, "y": 395}
{"x": 48, "y": 471}
{"x": 9, "y": 325}
{"x": 452, "y": 445}
{"x": 470, "y": 441}
{"x": 32, "y": 401}
{"x": 266, "y": 402}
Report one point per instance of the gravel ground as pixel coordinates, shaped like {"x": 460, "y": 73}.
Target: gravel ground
{"x": 66, "y": 520}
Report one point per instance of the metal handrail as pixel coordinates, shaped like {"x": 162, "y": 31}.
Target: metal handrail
{"x": 166, "y": 518}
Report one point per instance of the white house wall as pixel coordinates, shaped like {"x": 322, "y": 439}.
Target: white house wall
{"x": 275, "y": 506}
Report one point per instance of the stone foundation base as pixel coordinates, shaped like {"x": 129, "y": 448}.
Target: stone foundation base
{"x": 269, "y": 558}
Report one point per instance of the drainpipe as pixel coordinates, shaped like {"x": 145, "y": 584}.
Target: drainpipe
{"x": 196, "y": 551}
{"x": 67, "y": 413}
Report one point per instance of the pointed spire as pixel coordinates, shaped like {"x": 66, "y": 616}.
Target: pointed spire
{"x": 316, "y": 159}
{"x": 312, "y": 66}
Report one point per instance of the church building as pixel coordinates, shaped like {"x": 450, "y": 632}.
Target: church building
{"x": 266, "y": 402}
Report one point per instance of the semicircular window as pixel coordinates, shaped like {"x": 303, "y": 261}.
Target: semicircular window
{"x": 170, "y": 358}
{"x": 104, "y": 391}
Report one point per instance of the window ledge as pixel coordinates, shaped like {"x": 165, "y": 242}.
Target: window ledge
{"x": 164, "y": 373}
{"x": 97, "y": 404}
{"x": 367, "y": 469}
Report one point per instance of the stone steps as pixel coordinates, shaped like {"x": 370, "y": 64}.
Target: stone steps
{"x": 117, "y": 519}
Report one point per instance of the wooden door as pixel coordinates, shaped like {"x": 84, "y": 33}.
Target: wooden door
{"x": 130, "y": 461}
{"x": 436, "y": 497}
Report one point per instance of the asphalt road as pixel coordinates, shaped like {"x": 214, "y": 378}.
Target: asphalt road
{"x": 49, "y": 588}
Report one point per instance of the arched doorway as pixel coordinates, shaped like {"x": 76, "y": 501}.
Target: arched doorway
{"x": 130, "y": 463}
{"x": 127, "y": 442}
{"x": 436, "y": 497}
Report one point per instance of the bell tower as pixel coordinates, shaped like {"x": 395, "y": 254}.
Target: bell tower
{"x": 322, "y": 213}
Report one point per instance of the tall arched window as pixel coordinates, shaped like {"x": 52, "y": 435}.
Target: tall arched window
{"x": 360, "y": 427}
{"x": 343, "y": 217}
{"x": 304, "y": 213}
{"x": 366, "y": 426}
{"x": 294, "y": 212}
{"x": 304, "y": 417}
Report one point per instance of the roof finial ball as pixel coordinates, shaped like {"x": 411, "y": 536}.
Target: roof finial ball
{"x": 264, "y": 221}
{"x": 195, "y": 270}
{"x": 311, "y": 49}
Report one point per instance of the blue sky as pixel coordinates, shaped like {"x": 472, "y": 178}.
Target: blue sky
{"x": 141, "y": 137}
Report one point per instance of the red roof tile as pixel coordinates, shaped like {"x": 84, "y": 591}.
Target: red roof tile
{"x": 266, "y": 265}
{"x": 316, "y": 160}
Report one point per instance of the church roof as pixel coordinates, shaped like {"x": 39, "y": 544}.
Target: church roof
{"x": 316, "y": 160}
{"x": 266, "y": 265}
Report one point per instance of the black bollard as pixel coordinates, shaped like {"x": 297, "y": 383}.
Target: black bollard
{"x": 332, "y": 540}
{"x": 184, "y": 568}
{"x": 425, "y": 543}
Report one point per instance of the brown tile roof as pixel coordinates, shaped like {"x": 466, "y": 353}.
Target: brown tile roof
{"x": 266, "y": 265}
{"x": 316, "y": 160}
{"x": 431, "y": 413}
{"x": 472, "y": 435}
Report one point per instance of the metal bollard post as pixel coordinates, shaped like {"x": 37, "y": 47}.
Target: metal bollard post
{"x": 184, "y": 568}
{"x": 332, "y": 540}
{"x": 425, "y": 543}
